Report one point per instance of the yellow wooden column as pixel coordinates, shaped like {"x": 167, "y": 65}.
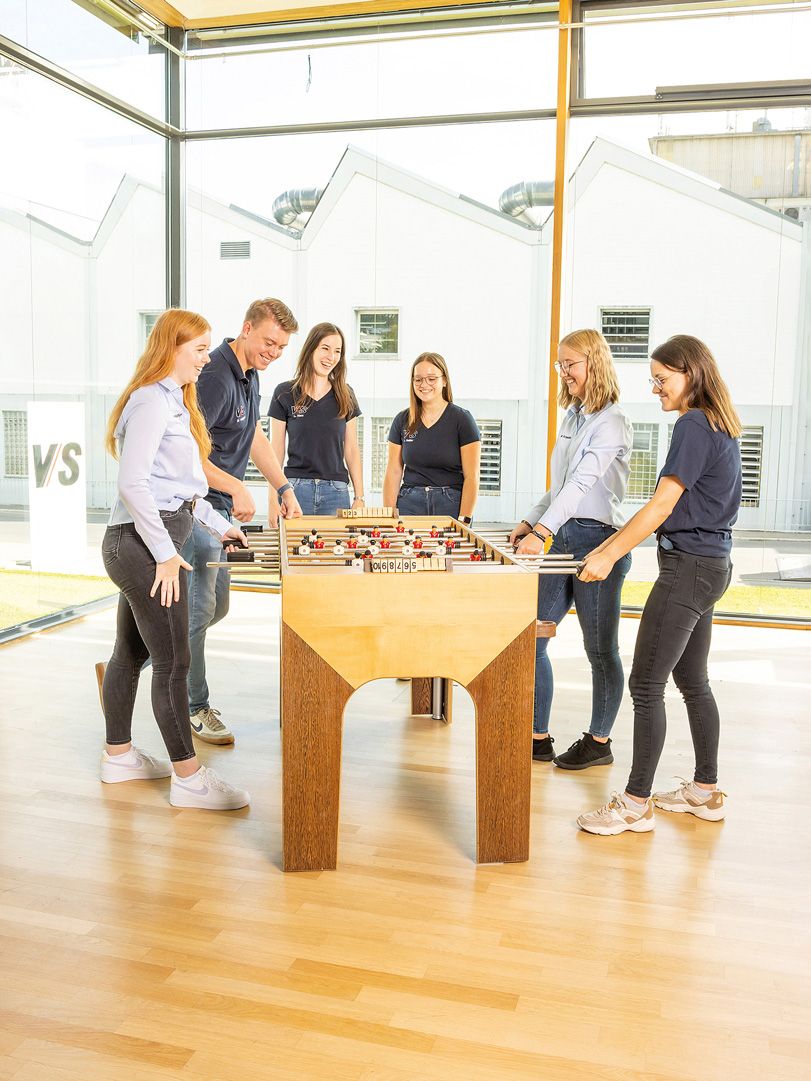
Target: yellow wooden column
{"x": 561, "y": 132}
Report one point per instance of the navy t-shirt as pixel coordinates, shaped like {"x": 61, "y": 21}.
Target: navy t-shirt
{"x": 315, "y": 433}
{"x": 432, "y": 456}
{"x": 229, "y": 399}
{"x": 708, "y": 464}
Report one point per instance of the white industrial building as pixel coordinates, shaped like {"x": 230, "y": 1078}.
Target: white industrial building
{"x": 654, "y": 250}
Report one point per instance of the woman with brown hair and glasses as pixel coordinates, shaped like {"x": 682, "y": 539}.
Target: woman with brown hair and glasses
{"x": 590, "y": 467}
{"x": 434, "y": 448}
{"x": 317, "y": 413}
{"x": 692, "y": 513}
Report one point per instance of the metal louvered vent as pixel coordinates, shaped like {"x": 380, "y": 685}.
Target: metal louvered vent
{"x": 751, "y": 463}
{"x": 490, "y": 467}
{"x": 235, "y": 249}
{"x": 627, "y": 331}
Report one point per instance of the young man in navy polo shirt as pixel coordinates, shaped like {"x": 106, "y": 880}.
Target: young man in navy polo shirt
{"x": 228, "y": 393}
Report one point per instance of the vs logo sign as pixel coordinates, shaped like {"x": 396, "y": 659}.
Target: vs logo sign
{"x": 44, "y": 467}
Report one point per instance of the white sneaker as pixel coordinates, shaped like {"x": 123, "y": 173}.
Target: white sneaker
{"x": 688, "y": 798}
{"x": 136, "y": 765}
{"x": 207, "y": 726}
{"x": 617, "y": 817}
{"x": 205, "y": 789}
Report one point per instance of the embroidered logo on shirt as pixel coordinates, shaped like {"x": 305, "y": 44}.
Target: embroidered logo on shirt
{"x": 240, "y": 413}
{"x": 302, "y": 409}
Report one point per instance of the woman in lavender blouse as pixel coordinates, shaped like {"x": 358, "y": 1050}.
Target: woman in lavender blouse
{"x": 158, "y": 433}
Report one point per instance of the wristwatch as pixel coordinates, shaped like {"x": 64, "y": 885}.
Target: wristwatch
{"x": 465, "y": 519}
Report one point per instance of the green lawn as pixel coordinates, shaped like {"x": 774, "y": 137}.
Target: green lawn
{"x": 775, "y": 601}
{"x": 26, "y": 595}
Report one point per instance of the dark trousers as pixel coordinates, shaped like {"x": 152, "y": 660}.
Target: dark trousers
{"x": 674, "y": 637}
{"x": 145, "y": 629}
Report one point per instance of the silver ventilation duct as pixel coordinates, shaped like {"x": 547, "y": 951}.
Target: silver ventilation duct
{"x": 518, "y": 199}
{"x": 295, "y": 203}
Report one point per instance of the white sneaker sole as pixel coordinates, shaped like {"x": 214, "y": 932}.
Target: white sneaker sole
{"x": 209, "y": 737}
{"x": 178, "y": 797}
{"x": 116, "y": 775}
{"x": 644, "y": 825}
{"x": 700, "y": 812}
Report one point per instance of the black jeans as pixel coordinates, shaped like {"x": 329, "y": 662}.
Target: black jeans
{"x": 146, "y": 629}
{"x": 674, "y": 636}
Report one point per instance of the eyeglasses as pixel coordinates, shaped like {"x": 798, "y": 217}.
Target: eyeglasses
{"x": 428, "y": 380}
{"x": 658, "y": 381}
{"x": 563, "y": 367}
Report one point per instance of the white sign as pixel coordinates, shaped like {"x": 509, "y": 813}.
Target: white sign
{"x": 56, "y": 485}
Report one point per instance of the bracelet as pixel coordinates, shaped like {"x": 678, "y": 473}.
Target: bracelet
{"x": 465, "y": 519}
{"x": 540, "y": 536}
{"x": 286, "y": 487}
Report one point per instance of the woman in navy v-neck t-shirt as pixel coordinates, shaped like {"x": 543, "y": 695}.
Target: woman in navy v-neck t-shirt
{"x": 434, "y": 448}
{"x": 317, "y": 412}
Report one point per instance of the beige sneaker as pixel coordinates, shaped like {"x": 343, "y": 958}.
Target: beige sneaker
{"x": 689, "y": 799}
{"x": 616, "y": 817}
{"x": 207, "y": 726}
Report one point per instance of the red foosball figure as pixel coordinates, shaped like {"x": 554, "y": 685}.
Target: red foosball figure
{"x": 351, "y": 542}
{"x": 385, "y": 542}
{"x": 434, "y": 531}
{"x": 416, "y": 543}
{"x": 375, "y": 530}
{"x": 399, "y": 528}
{"x": 318, "y": 543}
{"x": 476, "y": 555}
{"x": 367, "y": 554}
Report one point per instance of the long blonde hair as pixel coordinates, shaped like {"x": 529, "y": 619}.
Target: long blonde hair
{"x": 602, "y": 385}
{"x": 305, "y": 371}
{"x": 173, "y": 328}
{"x": 415, "y": 403}
{"x": 706, "y": 390}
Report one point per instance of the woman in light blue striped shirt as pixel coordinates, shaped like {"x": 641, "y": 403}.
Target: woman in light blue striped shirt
{"x": 590, "y": 466}
{"x": 159, "y": 435}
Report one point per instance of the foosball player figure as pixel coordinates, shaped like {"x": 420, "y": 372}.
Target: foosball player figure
{"x": 367, "y": 554}
{"x": 411, "y": 534}
{"x": 416, "y": 543}
{"x": 304, "y": 548}
{"x": 356, "y": 561}
{"x": 476, "y": 555}
{"x": 338, "y": 549}
{"x": 318, "y": 544}
{"x": 400, "y": 527}
{"x": 375, "y": 530}
{"x": 434, "y": 531}
{"x": 374, "y": 548}
{"x": 351, "y": 541}
{"x": 408, "y": 549}
{"x": 363, "y": 539}
{"x": 313, "y": 535}
{"x": 385, "y": 542}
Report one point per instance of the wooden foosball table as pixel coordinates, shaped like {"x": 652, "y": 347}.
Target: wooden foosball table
{"x": 372, "y": 597}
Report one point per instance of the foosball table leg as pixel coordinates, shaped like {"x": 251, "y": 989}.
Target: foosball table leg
{"x": 314, "y": 700}
{"x": 433, "y": 697}
{"x": 503, "y": 696}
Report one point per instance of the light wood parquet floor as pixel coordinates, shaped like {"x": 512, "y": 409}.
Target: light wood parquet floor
{"x": 144, "y": 943}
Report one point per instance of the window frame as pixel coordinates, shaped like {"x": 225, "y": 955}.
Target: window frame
{"x": 376, "y": 310}
{"x": 626, "y": 309}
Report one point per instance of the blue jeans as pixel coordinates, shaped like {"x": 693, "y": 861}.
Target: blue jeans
{"x": 208, "y": 604}
{"x": 598, "y": 608}
{"x": 422, "y": 500}
{"x": 320, "y": 496}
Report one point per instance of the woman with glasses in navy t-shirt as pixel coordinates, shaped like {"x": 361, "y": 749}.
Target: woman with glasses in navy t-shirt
{"x": 692, "y": 512}
{"x": 434, "y": 448}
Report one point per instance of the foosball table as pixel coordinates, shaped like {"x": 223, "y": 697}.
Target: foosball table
{"x": 370, "y": 596}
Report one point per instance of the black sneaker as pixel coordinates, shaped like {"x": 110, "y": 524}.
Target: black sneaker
{"x": 585, "y": 752}
{"x": 542, "y": 749}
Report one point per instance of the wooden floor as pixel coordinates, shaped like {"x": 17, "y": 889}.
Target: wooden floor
{"x": 142, "y": 943}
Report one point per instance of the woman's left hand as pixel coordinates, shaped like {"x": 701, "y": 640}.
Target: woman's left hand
{"x": 530, "y": 545}
{"x": 596, "y": 567}
{"x": 357, "y": 503}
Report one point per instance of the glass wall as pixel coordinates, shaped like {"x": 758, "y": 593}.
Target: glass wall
{"x": 82, "y": 236}
{"x": 421, "y": 236}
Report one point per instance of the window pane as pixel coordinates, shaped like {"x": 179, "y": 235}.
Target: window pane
{"x": 81, "y": 281}
{"x": 424, "y": 76}
{"x": 100, "y": 47}
{"x": 378, "y": 332}
{"x": 636, "y": 58}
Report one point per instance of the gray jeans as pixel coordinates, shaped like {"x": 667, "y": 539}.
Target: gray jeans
{"x": 146, "y": 629}
{"x": 674, "y": 637}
